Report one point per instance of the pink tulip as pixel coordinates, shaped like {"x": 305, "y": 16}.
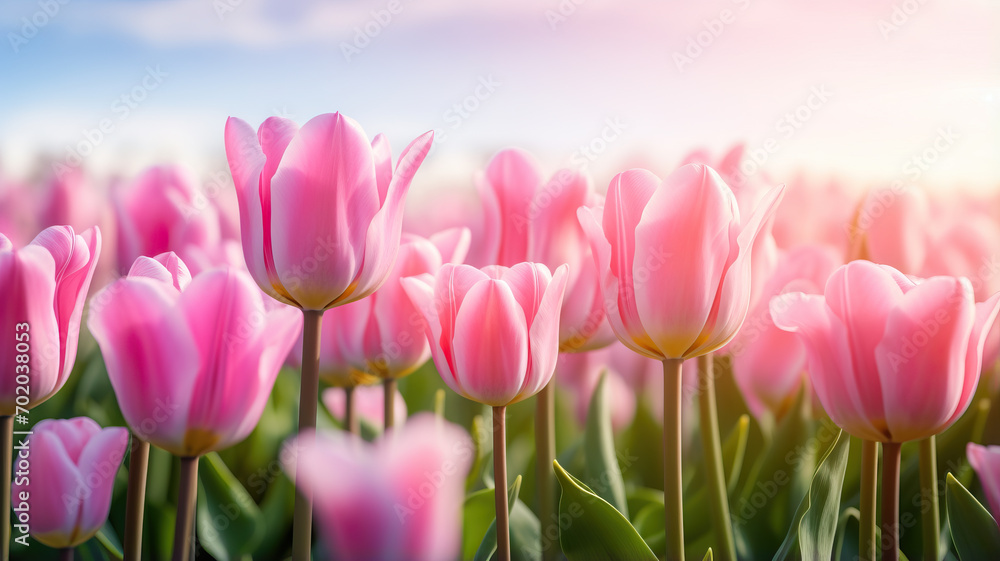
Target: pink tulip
{"x": 70, "y": 199}
{"x": 44, "y": 285}
{"x": 986, "y": 461}
{"x": 18, "y": 212}
{"x": 321, "y": 209}
{"x": 398, "y": 498}
{"x": 192, "y": 361}
{"x": 67, "y": 495}
{"x": 494, "y": 333}
{"x": 815, "y": 212}
{"x": 369, "y": 404}
{"x": 382, "y": 336}
{"x": 890, "y": 360}
{"x": 769, "y": 364}
{"x": 527, "y": 219}
{"x": 163, "y": 210}
{"x": 674, "y": 259}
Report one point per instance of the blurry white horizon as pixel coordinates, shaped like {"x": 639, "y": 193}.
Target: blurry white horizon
{"x": 868, "y": 92}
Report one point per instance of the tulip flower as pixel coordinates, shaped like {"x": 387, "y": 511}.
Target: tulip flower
{"x": 380, "y": 337}
{"x": 769, "y": 364}
{"x": 986, "y": 461}
{"x": 494, "y": 336}
{"x": 891, "y": 360}
{"x": 163, "y": 210}
{"x": 191, "y": 361}
{"x": 398, "y": 498}
{"x": 674, "y": 259}
{"x": 44, "y": 285}
{"x": 321, "y": 213}
{"x": 72, "y": 475}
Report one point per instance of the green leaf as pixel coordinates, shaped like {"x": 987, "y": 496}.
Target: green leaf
{"x": 697, "y": 518}
{"x": 734, "y": 450}
{"x": 708, "y": 555}
{"x": 109, "y": 542}
{"x": 973, "y": 530}
{"x": 229, "y": 523}
{"x": 276, "y": 509}
{"x": 595, "y": 530}
{"x": 848, "y": 540}
{"x": 477, "y": 516}
{"x": 525, "y": 530}
{"x": 602, "y": 471}
{"x": 814, "y": 527}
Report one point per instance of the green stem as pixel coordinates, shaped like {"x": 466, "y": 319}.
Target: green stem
{"x": 545, "y": 454}
{"x": 187, "y": 496}
{"x": 135, "y": 501}
{"x": 930, "y": 517}
{"x": 673, "y": 494}
{"x": 890, "y": 501}
{"x": 711, "y": 445}
{"x": 350, "y": 416}
{"x": 869, "y": 489}
{"x": 500, "y": 487}
{"x": 390, "y": 401}
{"x": 308, "y": 400}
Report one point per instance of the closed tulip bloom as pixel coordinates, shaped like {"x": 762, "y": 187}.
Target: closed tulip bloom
{"x": 397, "y": 498}
{"x": 986, "y": 461}
{"x": 382, "y": 336}
{"x": 494, "y": 333}
{"x": 769, "y": 364}
{"x": 192, "y": 361}
{"x": 891, "y": 360}
{"x": 44, "y": 285}
{"x": 528, "y": 219}
{"x": 321, "y": 208}
{"x": 674, "y": 260}
{"x": 73, "y": 468}
{"x": 163, "y": 210}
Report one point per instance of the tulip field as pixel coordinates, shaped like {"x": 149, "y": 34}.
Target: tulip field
{"x": 700, "y": 343}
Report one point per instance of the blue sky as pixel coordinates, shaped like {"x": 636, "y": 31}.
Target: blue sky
{"x": 556, "y": 80}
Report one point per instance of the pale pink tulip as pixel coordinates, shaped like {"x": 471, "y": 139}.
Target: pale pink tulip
{"x": 769, "y": 364}
{"x": 192, "y": 361}
{"x": 890, "y": 360}
{"x": 986, "y": 461}
{"x": 369, "y": 404}
{"x": 70, "y": 199}
{"x": 527, "y": 219}
{"x": 44, "y": 285}
{"x": 398, "y": 498}
{"x": 18, "y": 212}
{"x": 674, "y": 259}
{"x": 494, "y": 333}
{"x": 162, "y": 210}
{"x": 68, "y": 486}
{"x": 321, "y": 208}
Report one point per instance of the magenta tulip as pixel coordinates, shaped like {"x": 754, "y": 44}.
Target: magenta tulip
{"x": 398, "y": 498}
{"x": 66, "y": 497}
{"x": 44, "y": 285}
{"x": 986, "y": 461}
{"x": 321, "y": 208}
{"x": 494, "y": 333}
{"x": 674, "y": 260}
{"x": 192, "y": 361}
{"x": 891, "y": 360}
{"x": 527, "y": 219}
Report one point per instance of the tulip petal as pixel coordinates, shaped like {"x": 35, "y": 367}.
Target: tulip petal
{"x": 382, "y": 240}
{"x": 921, "y": 357}
{"x": 491, "y": 344}
{"x": 98, "y": 467}
{"x": 543, "y": 334}
{"x": 323, "y": 199}
{"x": 507, "y": 189}
{"x": 453, "y": 244}
{"x": 986, "y": 315}
{"x": 895, "y": 223}
{"x": 166, "y": 268}
{"x": 830, "y": 368}
{"x": 53, "y": 522}
{"x": 420, "y": 291}
{"x": 382, "y": 154}
{"x": 683, "y": 245}
{"x": 734, "y": 295}
{"x": 152, "y": 359}
{"x": 986, "y": 461}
